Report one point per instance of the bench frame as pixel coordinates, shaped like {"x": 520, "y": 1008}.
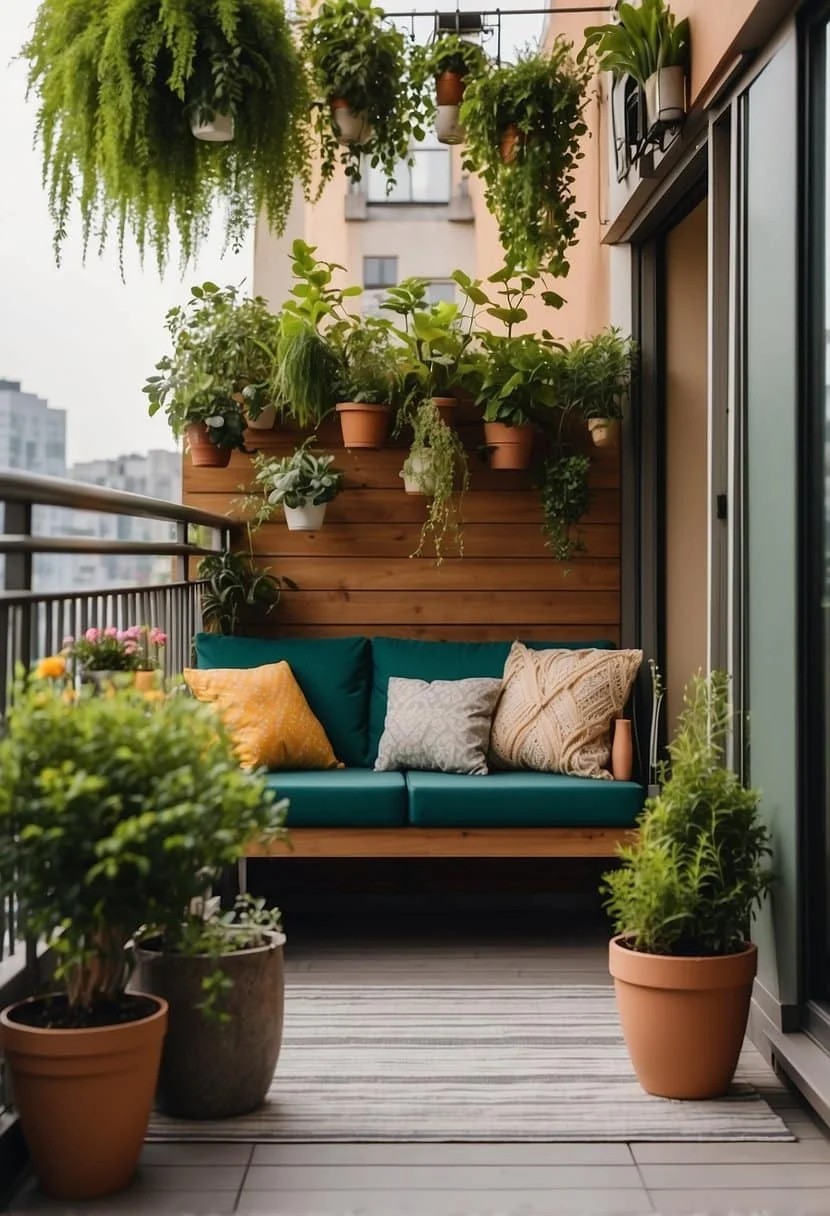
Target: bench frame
{"x": 447, "y": 842}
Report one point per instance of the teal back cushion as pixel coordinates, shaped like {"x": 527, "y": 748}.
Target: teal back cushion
{"x": 440, "y": 661}
{"x": 334, "y": 674}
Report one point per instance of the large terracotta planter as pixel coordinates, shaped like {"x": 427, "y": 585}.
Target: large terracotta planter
{"x": 84, "y": 1098}
{"x": 364, "y": 426}
{"x": 204, "y": 453}
{"x": 511, "y": 447}
{"x": 212, "y": 1069}
{"x": 683, "y": 1019}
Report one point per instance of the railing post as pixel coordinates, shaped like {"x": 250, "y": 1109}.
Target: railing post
{"x": 18, "y": 570}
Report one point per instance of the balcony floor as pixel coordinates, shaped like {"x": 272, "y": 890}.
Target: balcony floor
{"x": 470, "y": 1179}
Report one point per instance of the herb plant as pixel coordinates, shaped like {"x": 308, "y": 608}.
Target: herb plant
{"x": 234, "y": 588}
{"x": 595, "y": 374}
{"x": 643, "y": 40}
{"x": 691, "y": 883}
{"x": 305, "y": 477}
{"x": 117, "y": 85}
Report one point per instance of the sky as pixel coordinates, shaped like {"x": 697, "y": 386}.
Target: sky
{"x": 76, "y": 334}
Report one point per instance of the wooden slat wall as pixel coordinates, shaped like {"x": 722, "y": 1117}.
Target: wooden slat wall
{"x": 356, "y": 576}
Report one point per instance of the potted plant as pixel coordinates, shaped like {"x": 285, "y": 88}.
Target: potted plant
{"x": 118, "y": 87}
{"x": 436, "y": 467}
{"x": 524, "y": 125}
{"x": 102, "y": 656}
{"x": 302, "y": 484}
{"x": 151, "y": 641}
{"x": 371, "y": 104}
{"x": 681, "y": 905}
{"x": 449, "y": 61}
{"x": 113, "y": 811}
{"x": 565, "y": 497}
{"x": 649, "y": 44}
{"x": 233, "y": 589}
{"x": 433, "y": 340}
{"x": 370, "y": 384}
{"x": 595, "y": 380}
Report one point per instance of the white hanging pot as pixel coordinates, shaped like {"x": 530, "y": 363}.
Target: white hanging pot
{"x": 447, "y": 127}
{"x": 307, "y": 518}
{"x": 665, "y": 92}
{"x": 220, "y": 129}
{"x": 417, "y": 473}
{"x": 352, "y": 126}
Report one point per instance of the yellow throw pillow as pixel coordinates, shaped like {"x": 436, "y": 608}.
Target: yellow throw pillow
{"x": 267, "y": 715}
{"x": 557, "y": 706}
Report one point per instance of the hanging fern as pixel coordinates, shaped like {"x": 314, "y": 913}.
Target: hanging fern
{"x": 118, "y": 82}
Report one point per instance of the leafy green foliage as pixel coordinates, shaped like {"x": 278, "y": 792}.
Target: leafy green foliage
{"x": 645, "y": 39}
{"x": 235, "y": 587}
{"x": 224, "y": 346}
{"x": 118, "y": 83}
{"x": 690, "y": 884}
{"x": 595, "y": 374}
{"x": 565, "y": 498}
{"x": 451, "y": 53}
{"x": 116, "y": 812}
{"x": 446, "y": 467}
{"x": 432, "y": 339}
{"x": 372, "y": 371}
{"x": 303, "y": 477}
{"x": 357, "y": 55}
{"x": 532, "y": 196}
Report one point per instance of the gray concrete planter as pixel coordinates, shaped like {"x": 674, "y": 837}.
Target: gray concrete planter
{"x": 212, "y": 1070}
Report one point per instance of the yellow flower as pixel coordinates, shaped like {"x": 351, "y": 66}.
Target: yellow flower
{"x": 51, "y": 668}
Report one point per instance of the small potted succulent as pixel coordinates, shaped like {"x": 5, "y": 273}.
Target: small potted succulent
{"x": 595, "y": 381}
{"x": 302, "y": 484}
{"x": 234, "y": 590}
{"x": 449, "y": 61}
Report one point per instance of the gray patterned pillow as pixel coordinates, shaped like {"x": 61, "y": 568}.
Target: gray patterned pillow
{"x": 442, "y": 726}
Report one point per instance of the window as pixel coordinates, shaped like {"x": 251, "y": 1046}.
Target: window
{"x": 380, "y": 272}
{"x": 440, "y": 289}
{"x": 426, "y": 180}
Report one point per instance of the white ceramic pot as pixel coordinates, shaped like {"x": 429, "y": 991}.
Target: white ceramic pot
{"x": 265, "y": 421}
{"x": 219, "y": 131}
{"x": 447, "y": 127}
{"x": 351, "y": 127}
{"x": 417, "y": 473}
{"x": 604, "y": 432}
{"x": 307, "y": 518}
{"x": 665, "y": 97}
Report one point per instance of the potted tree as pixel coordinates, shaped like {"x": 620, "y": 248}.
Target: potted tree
{"x": 360, "y": 65}
{"x": 523, "y": 124}
{"x": 649, "y": 44}
{"x": 114, "y": 811}
{"x": 119, "y": 87}
{"x": 449, "y": 61}
{"x": 302, "y": 484}
{"x": 234, "y": 589}
{"x": 595, "y": 380}
{"x": 681, "y": 905}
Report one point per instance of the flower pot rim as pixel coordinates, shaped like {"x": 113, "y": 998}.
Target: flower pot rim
{"x": 620, "y": 942}
{"x": 344, "y": 407}
{"x": 78, "y": 1034}
{"x": 275, "y": 942}
{"x": 681, "y": 972}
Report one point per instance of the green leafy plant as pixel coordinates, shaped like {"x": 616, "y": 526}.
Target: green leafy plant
{"x": 358, "y": 56}
{"x": 643, "y": 40}
{"x": 221, "y": 365}
{"x": 235, "y": 588}
{"x": 304, "y": 477}
{"x": 532, "y": 195}
{"x": 691, "y": 883}
{"x": 565, "y": 496}
{"x": 117, "y": 85}
{"x": 433, "y": 338}
{"x": 595, "y": 374}
{"x": 442, "y": 473}
{"x": 115, "y": 813}
{"x": 452, "y": 53}
{"x": 372, "y": 365}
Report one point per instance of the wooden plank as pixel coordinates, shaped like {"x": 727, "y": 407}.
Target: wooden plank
{"x": 585, "y": 632}
{"x": 438, "y": 608}
{"x": 447, "y": 842}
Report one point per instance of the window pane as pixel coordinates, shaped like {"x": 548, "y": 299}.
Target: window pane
{"x": 380, "y": 272}
{"x": 441, "y": 289}
{"x": 376, "y": 185}
{"x": 431, "y": 176}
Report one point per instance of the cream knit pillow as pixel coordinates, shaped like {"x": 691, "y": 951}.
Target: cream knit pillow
{"x": 556, "y": 709}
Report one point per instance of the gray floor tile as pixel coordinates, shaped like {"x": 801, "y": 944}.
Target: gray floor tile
{"x": 687, "y": 1177}
{"x": 196, "y": 1154}
{"x": 803, "y": 1151}
{"x": 131, "y": 1203}
{"x": 189, "y": 1178}
{"x": 781, "y": 1202}
{"x": 441, "y": 1154}
{"x": 446, "y": 1177}
{"x": 521, "y": 1202}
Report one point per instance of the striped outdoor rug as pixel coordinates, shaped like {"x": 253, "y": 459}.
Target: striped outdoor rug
{"x": 470, "y": 1063}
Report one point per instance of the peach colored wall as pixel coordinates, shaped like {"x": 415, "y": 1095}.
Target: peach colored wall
{"x": 715, "y": 24}
{"x": 686, "y": 455}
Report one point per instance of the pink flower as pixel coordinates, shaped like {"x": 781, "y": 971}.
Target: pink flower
{"x": 92, "y": 635}
{"x": 122, "y": 635}
{"x": 134, "y": 631}
{"x": 67, "y": 641}
{"x": 130, "y": 648}
{"x": 158, "y": 638}
{"x": 110, "y": 632}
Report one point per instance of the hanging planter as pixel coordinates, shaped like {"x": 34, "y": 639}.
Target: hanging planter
{"x": 118, "y": 87}
{"x": 265, "y": 420}
{"x": 352, "y": 126}
{"x": 449, "y": 60}
{"x": 448, "y": 128}
{"x": 595, "y": 381}
{"x": 302, "y": 484}
{"x": 437, "y": 467}
{"x": 665, "y": 92}
{"x": 418, "y": 472}
{"x": 307, "y": 517}
{"x": 605, "y": 432}
{"x": 509, "y": 143}
{"x": 447, "y": 408}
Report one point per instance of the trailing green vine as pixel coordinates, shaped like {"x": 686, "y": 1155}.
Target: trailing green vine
{"x": 443, "y": 466}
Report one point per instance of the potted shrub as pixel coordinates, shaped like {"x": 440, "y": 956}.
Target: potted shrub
{"x": 595, "y": 380}
{"x": 449, "y": 61}
{"x": 649, "y": 44}
{"x": 302, "y": 484}
{"x": 433, "y": 340}
{"x": 370, "y": 383}
{"x": 682, "y": 903}
{"x": 234, "y": 589}
{"x": 113, "y": 811}
{"x": 435, "y": 466}
{"x": 118, "y": 87}
{"x": 523, "y": 124}
{"x": 371, "y": 105}
{"x": 515, "y": 388}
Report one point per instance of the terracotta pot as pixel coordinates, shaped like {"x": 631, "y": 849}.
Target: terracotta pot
{"x": 203, "y": 453}
{"x": 683, "y": 1019}
{"x": 352, "y": 126}
{"x": 145, "y": 681}
{"x": 446, "y": 407}
{"x": 219, "y": 130}
{"x": 210, "y": 1069}
{"x": 510, "y": 446}
{"x": 84, "y": 1098}
{"x": 448, "y": 128}
{"x": 622, "y": 752}
{"x": 307, "y": 518}
{"x": 509, "y": 143}
{"x": 605, "y": 432}
{"x": 364, "y": 426}
{"x": 449, "y": 89}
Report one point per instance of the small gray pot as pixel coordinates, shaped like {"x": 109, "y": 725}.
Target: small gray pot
{"x": 212, "y": 1070}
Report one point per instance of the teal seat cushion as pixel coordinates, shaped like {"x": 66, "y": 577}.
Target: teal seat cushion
{"x": 521, "y": 800}
{"x": 342, "y": 798}
{"x": 414, "y": 660}
{"x": 334, "y": 674}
